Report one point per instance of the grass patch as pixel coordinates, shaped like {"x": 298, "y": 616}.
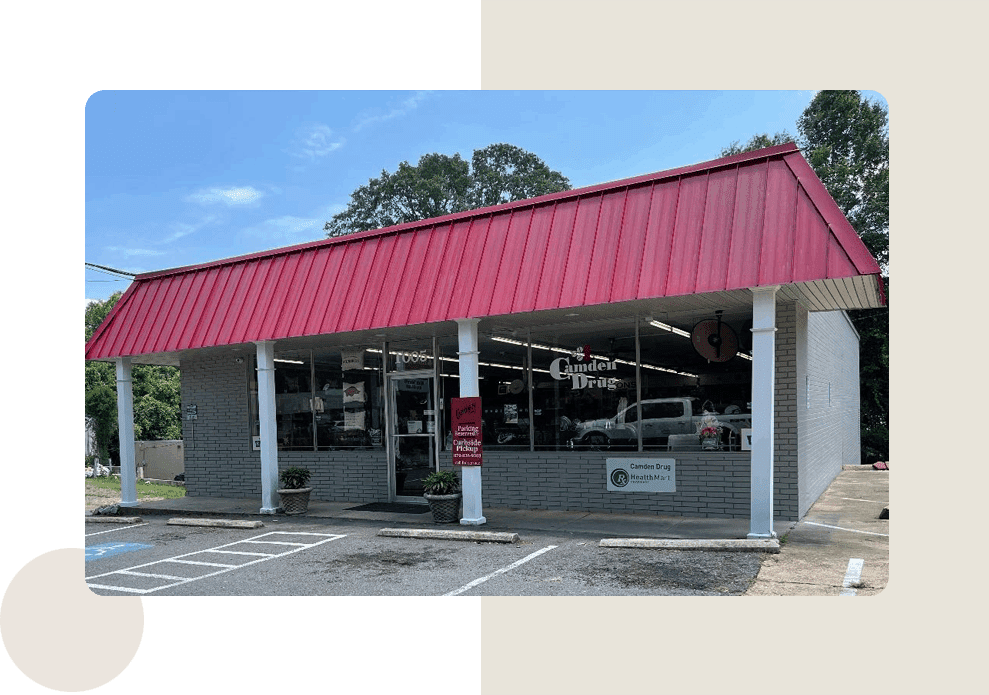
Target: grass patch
{"x": 144, "y": 489}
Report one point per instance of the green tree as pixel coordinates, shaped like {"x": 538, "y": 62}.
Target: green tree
{"x": 503, "y": 173}
{"x": 101, "y": 406}
{"x": 758, "y": 142}
{"x": 101, "y": 387}
{"x": 156, "y": 389}
{"x": 157, "y": 403}
{"x": 845, "y": 138}
{"x": 440, "y": 185}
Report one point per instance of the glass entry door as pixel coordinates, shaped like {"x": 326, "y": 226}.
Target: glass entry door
{"x": 412, "y": 422}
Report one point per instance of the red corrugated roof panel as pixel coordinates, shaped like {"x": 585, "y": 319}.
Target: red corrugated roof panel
{"x": 759, "y": 218}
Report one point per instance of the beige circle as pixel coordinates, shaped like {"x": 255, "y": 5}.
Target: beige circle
{"x": 52, "y": 625}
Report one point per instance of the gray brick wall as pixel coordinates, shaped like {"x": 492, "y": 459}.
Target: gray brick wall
{"x": 828, "y": 401}
{"x": 708, "y": 484}
{"x": 220, "y": 461}
{"x": 218, "y": 456}
{"x": 786, "y": 486}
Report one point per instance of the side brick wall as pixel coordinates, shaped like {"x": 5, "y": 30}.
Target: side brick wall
{"x": 785, "y": 485}
{"x": 828, "y": 403}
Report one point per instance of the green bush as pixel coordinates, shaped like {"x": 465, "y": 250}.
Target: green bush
{"x": 441, "y": 483}
{"x": 294, "y": 478}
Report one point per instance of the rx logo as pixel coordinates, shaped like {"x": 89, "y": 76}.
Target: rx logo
{"x": 619, "y": 477}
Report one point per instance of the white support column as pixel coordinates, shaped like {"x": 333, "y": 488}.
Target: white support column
{"x": 125, "y": 428}
{"x": 763, "y": 409}
{"x": 469, "y": 387}
{"x": 269, "y": 428}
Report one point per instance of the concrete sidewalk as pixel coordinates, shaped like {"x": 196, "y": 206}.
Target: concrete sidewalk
{"x": 498, "y": 519}
{"x": 840, "y": 548}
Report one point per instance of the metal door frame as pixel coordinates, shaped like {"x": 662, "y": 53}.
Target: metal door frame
{"x": 390, "y": 417}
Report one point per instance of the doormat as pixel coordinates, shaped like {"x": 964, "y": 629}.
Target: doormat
{"x": 391, "y": 507}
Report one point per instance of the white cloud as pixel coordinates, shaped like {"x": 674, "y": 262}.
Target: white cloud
{"x": 243, "y": 195}
{"x": 314, "y": 141}
{"x": 287, "y": 230}
{"x": 130, "y": 253}
{"x": 181, "y": 229}
{"x": 406, "y": 107}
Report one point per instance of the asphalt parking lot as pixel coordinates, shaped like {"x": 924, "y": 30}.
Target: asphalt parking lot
{"x": 291, "y": 557}
{"x": 839, "y": 548}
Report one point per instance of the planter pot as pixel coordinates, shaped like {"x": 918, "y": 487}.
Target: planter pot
{"x": 445, "y": 508}
{"x": 710, "y": 444}
{"x": 295, "y": 501}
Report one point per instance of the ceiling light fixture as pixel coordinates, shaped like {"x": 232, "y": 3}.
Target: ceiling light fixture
{"x": 668, "y": 327}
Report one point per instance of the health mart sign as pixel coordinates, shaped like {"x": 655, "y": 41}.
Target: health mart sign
{"x": 466, "y": 426}
{"x": 641, "y": 475}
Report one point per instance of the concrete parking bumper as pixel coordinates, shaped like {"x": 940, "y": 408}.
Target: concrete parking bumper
{"x": 215, "y": 523}
{"x": 745, "y": 545}
{"x": 451, "y": 535}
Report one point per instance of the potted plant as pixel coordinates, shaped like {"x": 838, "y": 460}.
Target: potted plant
{"x": 442, "y": 492}
{"x": 294, "y": 492}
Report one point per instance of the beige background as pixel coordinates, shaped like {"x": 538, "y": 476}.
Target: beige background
{"x": 927, "y": 59}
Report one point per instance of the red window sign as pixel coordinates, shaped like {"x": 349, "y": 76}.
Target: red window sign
{"x": 466, "y": 424}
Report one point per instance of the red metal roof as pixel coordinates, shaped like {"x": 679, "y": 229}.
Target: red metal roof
{"x": 755, "y": 219}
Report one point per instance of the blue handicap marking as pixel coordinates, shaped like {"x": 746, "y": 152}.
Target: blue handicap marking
{"x": 97, "y": 552}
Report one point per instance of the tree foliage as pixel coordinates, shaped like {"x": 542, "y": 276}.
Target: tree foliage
{"x": 845, "y": 139}
{"x": 758, "y": 142}
{"x": 101, "y": 406}
{"x": 440, "y": 185}
{"x": 156, "y": 391}
{"x": 503, "y": 173}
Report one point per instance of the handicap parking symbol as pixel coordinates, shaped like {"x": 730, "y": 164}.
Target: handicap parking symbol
{"x": 98, "y": 552}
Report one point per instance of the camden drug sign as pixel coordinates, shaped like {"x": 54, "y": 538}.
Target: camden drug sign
{"x": 641, "y": 475}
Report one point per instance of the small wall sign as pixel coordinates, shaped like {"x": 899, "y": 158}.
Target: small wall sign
{"x": 746, "y": 433}
{"x": 641, "y": 475}
{"x": 191, "y": 412}
{"x": 466, "y": 426}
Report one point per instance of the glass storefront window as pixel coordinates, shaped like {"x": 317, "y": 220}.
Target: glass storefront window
{"x": 293, "y": 402}
{"x": 584, "y": 375}
{"x": 328, "y": 399}
{"x": 504, "y": 391}
{"x": 587, "y": 388}
{"x": 578, "y": 386}
{"x": 348, "y": 398}
{"x": 680, "y": 386}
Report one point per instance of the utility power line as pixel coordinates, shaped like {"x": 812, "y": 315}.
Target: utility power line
{"x": 109, "y": 271}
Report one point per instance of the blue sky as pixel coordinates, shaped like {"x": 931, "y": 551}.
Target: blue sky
{"x": 178, "y": 178}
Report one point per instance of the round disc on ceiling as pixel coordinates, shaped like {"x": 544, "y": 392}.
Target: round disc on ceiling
{"x": 714, "y": 340}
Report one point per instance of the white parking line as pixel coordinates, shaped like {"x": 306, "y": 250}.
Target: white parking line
{"x": 120, "y": 528}
{"x": 175, "y": 581}
{"x": 467, "y": 587}
{"x": 840, "y": 528}
{"x": 852, "y": 576}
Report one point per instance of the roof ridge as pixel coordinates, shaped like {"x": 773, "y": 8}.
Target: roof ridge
{"x": 731, "y": 160}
